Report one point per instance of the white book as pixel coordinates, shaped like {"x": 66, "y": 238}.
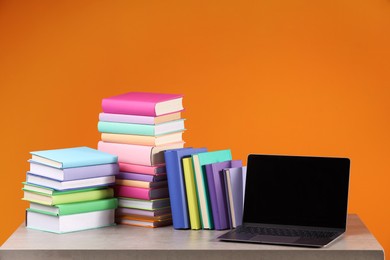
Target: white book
{"x": 70, "y": 223}
{"x": 143, "y": 204}
{"x": 67, "y": 185}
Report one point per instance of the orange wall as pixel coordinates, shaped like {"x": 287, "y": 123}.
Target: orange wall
{"x": 290, "y": 77}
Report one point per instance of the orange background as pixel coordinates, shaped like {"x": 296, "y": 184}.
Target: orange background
{"x": 285, "y": 77}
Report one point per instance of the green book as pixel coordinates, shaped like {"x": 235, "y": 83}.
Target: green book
{"x": 199, "y": 161}
{"x": 51, "y": 197}
{"x": 74, "y": 208}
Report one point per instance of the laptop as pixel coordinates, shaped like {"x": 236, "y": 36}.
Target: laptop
{"x": 293, "y": 200}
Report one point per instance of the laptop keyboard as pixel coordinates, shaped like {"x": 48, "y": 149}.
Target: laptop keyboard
{"x": 286, "y": 232}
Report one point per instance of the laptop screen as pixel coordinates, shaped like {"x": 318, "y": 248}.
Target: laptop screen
{"x": 297, "y": 190}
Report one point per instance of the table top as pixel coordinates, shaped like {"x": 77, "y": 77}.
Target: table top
{"x": 121, "y": 237}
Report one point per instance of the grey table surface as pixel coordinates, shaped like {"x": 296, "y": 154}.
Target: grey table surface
{"x": 128, "y": 242}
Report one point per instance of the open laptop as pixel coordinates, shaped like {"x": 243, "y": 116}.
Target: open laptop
{"x": 293, "y": 200}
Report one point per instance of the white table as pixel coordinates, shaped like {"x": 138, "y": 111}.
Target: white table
{"x": 126, "y": 242}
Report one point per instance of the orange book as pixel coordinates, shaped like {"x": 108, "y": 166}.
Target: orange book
{"x": 142, "y": 221}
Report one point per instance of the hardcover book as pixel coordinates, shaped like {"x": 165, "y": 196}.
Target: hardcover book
{"x": 143, "y": 104}
{"x": 142, "y": 212}
{"x": 138, "y": 154}
{"x": 192, "y": 201}
{"x": 141, "y": 193}
{"x": 152, "y": 170}
{"x": 141, "y": 177}
{"x": 177, "y": 192}
{"x": 73, "y": 157}
{"x": 143, "y": 222}
{"x": 199, "y": 162}
{"x": 142, "y": 139}
{"x": 218, "y": 199}
{"x": 141, "y": 184}
{"x": 144, "y": 204}
{"x": 138, "y": 129}
{"x": 133, "y": 119}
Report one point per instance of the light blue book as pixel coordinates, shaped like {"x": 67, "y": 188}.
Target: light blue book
{"x": 73, "y": 157}
{"x": 140, "y": 129}
{"x": 200, "y": 160}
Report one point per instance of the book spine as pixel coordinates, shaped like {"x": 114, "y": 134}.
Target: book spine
{"x": 124, "y": 128}
{"x": 192, "y": 202}
{"x": 221, "y": 200}
{"x": 151, "y": 170}
{"x": 176, "y": 191}
{"x": 147, "y": 120}
{"x": 213, "y": 196}
{"x": 132, "y": 192}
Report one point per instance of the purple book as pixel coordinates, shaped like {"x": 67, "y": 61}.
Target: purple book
{"x": 141, "y": 177}
{"x": 76, "y": 173}
{"x": 216, "y": 183}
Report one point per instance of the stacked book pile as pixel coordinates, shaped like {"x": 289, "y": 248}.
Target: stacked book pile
{"x": 138, "y": 127}
{"x": 68, "y": 190}
{"x": 206, "y": 188}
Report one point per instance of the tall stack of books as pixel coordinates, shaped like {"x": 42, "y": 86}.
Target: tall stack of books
{"x": 68, "y": 190}
{"x": 138, "y": 127}
{"x": 206, "y": 188}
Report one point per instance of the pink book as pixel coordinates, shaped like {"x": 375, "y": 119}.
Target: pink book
{"x": 141, "y": 193}
{"x": 136, "y": 168}
{"x": 138, "y": 154}
{"x": 143, "y": 104}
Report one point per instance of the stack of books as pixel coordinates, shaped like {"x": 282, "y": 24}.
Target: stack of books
{"x": 206, "y": 188}
{"x": 68, "y": 190}
{"x": 138, "y": 127}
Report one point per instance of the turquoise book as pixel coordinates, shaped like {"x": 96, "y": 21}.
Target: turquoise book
{"x": 200, "y": 160}
{"x": 73, "y": 157}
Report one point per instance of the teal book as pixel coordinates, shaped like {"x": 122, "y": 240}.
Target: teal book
{"x": 73, "y": 157}
{"x": 200, "y": 160}
{"x": 74, "y": 208}
{"x": 140, "y": 129}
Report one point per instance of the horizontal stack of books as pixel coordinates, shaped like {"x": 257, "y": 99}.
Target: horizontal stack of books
{"x": 138, "y": 127}
{"x": 68, "y": 190}
{"x": 206, "y": 188}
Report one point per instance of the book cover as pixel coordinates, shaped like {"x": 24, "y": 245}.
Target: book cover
{"x": 73, "y": 157}
{"x": 141, "y": 177}
{"x": 199, "y": 162}
{"x": 144, "y": 204}
{"x": 138, "y": 129}
{"x": 74, "y": 208}
{"x": 142, "y": 139}
{"x": 141, "y": 184}
{"x": 192, "y": 201}
{"x": 76, "y": 173}
{"x": 141, "y": 193}
{"x": 49, "y": 191}
{"x": 235, "y": 190}
{"x": 138, "y": 154}
{"x": 67, "y": 196}
{"x": 177, "y": 192}
{"x": 143, "y": 104}
{"x": 133, "y": 119}
{"x": 218, "y": 199}
{"x": 136, "y": 168}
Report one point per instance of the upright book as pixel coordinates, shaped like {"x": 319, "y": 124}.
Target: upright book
{"x": 177, "y": 192}
{"x": 192, "y": 201}
{"x": 218, "y": 199}
{"x": 73, "y": 157}
{"x": 199, "y": 161}
{"x": 143, "y": 104}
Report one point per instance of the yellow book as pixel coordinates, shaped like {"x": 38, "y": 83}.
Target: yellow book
{"x": 191, "y": 193}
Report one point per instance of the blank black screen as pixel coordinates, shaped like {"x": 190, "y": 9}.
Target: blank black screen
{"x": 297, "y": 190}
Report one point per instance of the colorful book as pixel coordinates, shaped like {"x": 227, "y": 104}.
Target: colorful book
{"x": 74, "y": 208}
{"x": 141, "y": 184}
{"x": 143, "y": 222}
{"x": 68, "y": 185}
{"x": 70, "y": 223}
{"x": 65, "y": 197}
{"x": 151, "y": 170}
{"x": 73, "y": 157}
{"x": 218, "y": 199}
{"x": 141, "y": 177}
{"x": 142, "y": 212}
{"x": 143, "y": 139}
{"x": 133, "y": 119}
{"x": 144, "y": 204}
{"x": 138, "y": 154}
{"x": 192, "y": 201}
{"x": 141, "y": 193}
{"x": 177, "y": 192}
{"x": 143, "y": 104}
{"x": 137, "y": 129}
{"x": 76, "y": 173}
{"x": 199, "y": 162}
{"x": 235, "y": 183}
{"x": 49, "y": 191}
